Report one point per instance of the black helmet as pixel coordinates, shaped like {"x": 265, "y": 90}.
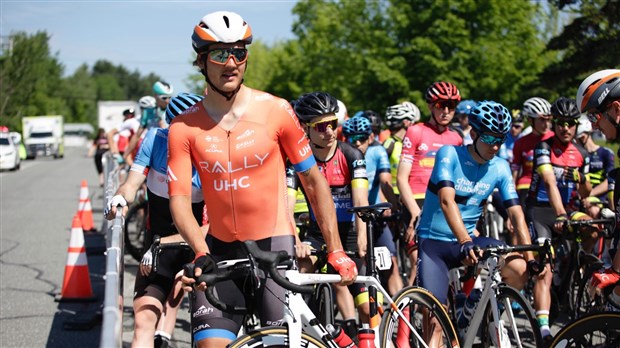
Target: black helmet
{"x": 374, "y": 118}
{"x": 311, "y": 105}
{"x": 565, "y": 108}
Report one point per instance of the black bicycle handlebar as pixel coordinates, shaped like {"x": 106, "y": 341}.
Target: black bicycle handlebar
{"x": 543, "y": 249}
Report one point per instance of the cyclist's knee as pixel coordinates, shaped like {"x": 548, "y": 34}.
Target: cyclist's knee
{"x": 515, "y": 272}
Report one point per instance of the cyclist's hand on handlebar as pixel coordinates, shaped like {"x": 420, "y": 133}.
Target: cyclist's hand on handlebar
{"x": 302, "y": 250}
{"x": 560, "y": 222}
{"x": 109, "y": 212}
{"x": 203, "y": 263}
{"x": 535, "y": 269}
{"x": 410, "y": 233}
{"x": 343, "y": 265}
{"x": 146, "y": 263}
{"x": 469, "y": 253}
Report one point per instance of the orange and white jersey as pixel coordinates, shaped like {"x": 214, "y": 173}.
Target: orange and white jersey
{"x": 242, "y": 170}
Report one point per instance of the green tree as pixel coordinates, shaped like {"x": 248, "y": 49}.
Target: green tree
{"x": 30, "y": 79}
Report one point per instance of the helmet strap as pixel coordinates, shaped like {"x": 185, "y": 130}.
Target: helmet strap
{"x": 476, "y": 148}
{"x": 227, "y": 95}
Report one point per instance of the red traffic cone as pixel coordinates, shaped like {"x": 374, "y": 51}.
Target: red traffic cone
{"x": 85, "y": 210}
{"x": 76, "y": 283}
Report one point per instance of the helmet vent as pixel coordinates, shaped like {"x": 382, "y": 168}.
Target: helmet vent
{"x": 227, "y": 21}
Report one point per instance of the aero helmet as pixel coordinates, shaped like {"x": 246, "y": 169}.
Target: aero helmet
{"x": 179, "y": 104}
{"x": 221, "y": 26}
{"x": 311, "y": 105}
{"x": 356, "y": 125}
{"x": 147, "y": 102}
{"x": 534, "y": 107}
{"x": 598, "y": 89}
{"x": 565, "y": 108}
{"x": 465, "y": 107}
{"x": 442, "y": 91}
{"x": 585, "y": 126}
{"x": 490, "y": 116}
{"x": 162, "y": 88}
{"x": 396, "y": 114}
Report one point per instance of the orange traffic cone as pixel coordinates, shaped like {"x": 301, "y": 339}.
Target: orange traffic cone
{"x": 76, "y": 283}
{"x": 85, "y": 210}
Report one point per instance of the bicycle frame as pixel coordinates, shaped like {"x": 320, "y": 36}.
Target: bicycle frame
{"x": 489, "y": 295}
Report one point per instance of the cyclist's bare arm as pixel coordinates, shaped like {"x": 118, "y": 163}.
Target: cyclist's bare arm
{"x": 113, "y": 146}
{"x": 133, "y": 142}
{"x": 385, "y": 180}
{"x": 516, "y": 216}
{"x": 600, "y": 189}
{"x": 320, "y": 198}
{"x": 406, "y": 195}
{"x": 452, "y": 213}
{"x": 515, "y": 175}
{"x": 360, "y": 199}
{"x": 585, "y": 189}
{"x": 128, "y": 190}
{"x": 184, "y": 220}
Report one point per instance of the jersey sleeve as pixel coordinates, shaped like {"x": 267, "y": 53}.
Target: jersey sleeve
{"x": 357, "y": 165}
{"x": 444, "y": 170}
{"x": 142, "y": 161}
{"x": 608, "y": 160}
{"x": 409, "y": 145}
{"x": 383, "y": 161}
{"x": 179, "y": 159}
{"x": 542, "y": 158}
{"x": 517, "y": 156}
{"x": 293, "y": 139}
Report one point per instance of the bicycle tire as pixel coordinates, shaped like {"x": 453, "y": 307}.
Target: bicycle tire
{"x": 417, "y": 300}
{"x": 583, "y": 331}
{"x": 273, "y": 337}
{"x": 135, "y": 230}
{"x": 528, "y": 330}
{"x": 583, "y": 302}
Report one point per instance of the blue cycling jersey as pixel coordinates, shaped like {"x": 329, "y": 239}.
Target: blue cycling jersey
{"x": 473, "y": 183}
{"x": 377, "y": 162}
{"x": 152, "y": 161}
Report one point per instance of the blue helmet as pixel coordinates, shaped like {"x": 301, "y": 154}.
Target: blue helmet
{"x": 490, "y": 116}
{"x": 356, "y": 125}
{"x": 180, "y": 103}
{"x": 465, "y": 107}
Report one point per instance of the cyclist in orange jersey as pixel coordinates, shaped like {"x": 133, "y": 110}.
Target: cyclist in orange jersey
{"x": 239, "y": 139}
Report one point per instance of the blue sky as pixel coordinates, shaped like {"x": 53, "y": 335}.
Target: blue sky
{"x": 151, "y": 36}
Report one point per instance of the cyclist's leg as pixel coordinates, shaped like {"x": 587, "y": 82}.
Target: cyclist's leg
{"x": 167, "y": 321}
{"x": 412, "y": 247}
{"x": 148, "y": 306}
{"x": 394, "y": 280}
{"x": 514, "y": 272}
{"x": 542, "y": 219}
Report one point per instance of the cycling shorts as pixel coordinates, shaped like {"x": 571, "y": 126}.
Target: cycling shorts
{"x": 384, "y": 238}
{"x": 436, "y": 258}
{"x": 540, "y": 220}
{"x": 209, "y": 322}
{"x": 159, "y": 284}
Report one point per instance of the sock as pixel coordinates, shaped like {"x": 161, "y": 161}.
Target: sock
{"x": 162, "y": 339}
{"x": 543, "y": 321}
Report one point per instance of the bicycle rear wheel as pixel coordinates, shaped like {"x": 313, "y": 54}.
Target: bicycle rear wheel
{"x": 424, "y": 312}
{"x": 518, "y": 318}
{"x": 135, "y": 230}
{"x": 593, "y": 330}
{"x": 273, "y": 337}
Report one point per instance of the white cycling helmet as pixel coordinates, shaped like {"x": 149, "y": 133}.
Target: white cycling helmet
{"x": 162, "y": 88}
{"x": 223, "y": 27}
{"x": 341, "y": 113}
{"x": 396, "y": 114}
{"x": 585, "y": 126}
{"x": 147, "y": 102}
{"x": 535, "y": 107}
{"x": 413, "y": 108}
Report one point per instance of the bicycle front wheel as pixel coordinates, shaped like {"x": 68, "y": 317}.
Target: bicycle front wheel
{"x": 273, "y": 337}
{"x": 517, "y": 318}
{"x": 593, "y": 330}
{"x": 427, "y": 316}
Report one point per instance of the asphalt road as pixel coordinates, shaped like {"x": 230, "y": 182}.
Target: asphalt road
{"x": 37, "y": 204}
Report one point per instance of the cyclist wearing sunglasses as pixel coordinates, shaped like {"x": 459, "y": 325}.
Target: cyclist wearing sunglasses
{"x": 599, "y": 96}
{"x": 538, "y": 112}
{"x": 561, "y": 168}
{"x": 344, "y": 168}
{"x": 358, "y": 132}
{"x": 461, "y": 181}
{"x": 420, "y": 145}
{"x": 239, "y": 140}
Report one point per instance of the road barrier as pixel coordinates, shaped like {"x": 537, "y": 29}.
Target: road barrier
{"x": 112, "y": 328}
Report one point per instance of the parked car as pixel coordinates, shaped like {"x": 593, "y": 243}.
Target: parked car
{"x": 9, "y": 153}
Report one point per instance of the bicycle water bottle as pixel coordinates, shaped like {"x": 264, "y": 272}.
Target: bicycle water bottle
{"x": 340, "y": 337}
{"x": 366, "y": 337}
{"x": 468, "y": 308}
